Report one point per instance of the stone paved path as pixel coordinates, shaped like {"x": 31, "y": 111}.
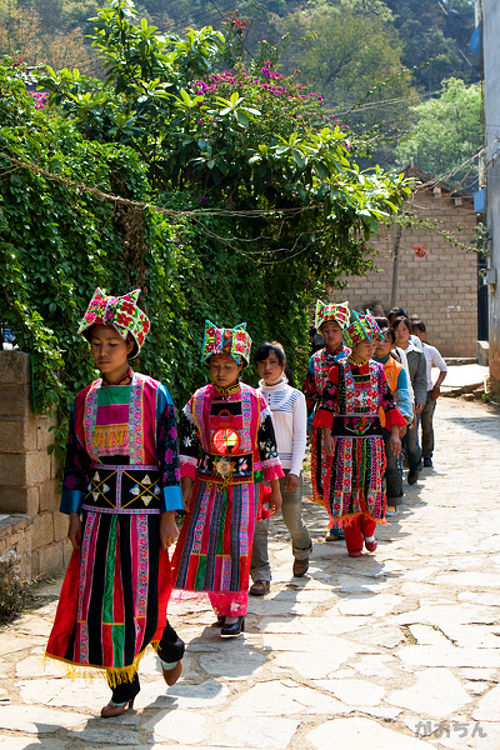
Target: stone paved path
{"x": 397, "y": 650}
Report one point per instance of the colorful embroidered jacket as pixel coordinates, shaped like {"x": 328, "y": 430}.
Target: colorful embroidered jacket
{"x": 122, "y": 450}
{"x": 351, "y": 400}
{"x": 317, "y": 374}
{"x": 229, "y": 439}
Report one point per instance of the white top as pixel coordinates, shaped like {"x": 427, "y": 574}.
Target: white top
{"x": 288, "y": 409}
{"x": 433, "y": 359}
{"x": 416, "y": 342}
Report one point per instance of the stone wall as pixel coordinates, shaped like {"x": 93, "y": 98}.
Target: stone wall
{"x": 28, "y": 485}
{"x": 16, "y": 533}
{"x": 441, "y": 287}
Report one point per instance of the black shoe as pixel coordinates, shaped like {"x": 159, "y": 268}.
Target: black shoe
{"x": 412, "y": 476}
{"x": 219, "y": 623}
{"x": 236, "y": 628}
{"x": 427, "y": 462}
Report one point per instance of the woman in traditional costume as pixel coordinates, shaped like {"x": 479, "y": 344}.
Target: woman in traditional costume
{"x": 228, "y": 448}
{"x": 121, "y": 491}
{"x": 330, "y": 320}
{"x": 352, "y": 490}
{"x": 398, "y": 383}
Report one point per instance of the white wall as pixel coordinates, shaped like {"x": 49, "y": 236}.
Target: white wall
{"x": 491, "y": 52}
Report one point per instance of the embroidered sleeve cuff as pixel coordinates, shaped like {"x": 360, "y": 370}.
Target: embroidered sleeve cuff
{"x": 188, "y": 467}
{"x": 272, "y": 469}
{"x": 394, "y": 417}
{"x": 71, "y": 501}
{"x": 172, "y": 498}
{"x": 323, "y": 418}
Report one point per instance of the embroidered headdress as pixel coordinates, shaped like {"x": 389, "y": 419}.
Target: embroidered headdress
{"x": 233, "y": 341}
{"x": 120, "y": 312}
{"x": 362, "y": 327}
{"x": 337, "y": 312}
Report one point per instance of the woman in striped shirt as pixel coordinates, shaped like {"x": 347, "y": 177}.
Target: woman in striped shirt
{"x": 288, "y": 408}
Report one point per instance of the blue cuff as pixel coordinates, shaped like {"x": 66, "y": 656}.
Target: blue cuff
{"x": 71, "y": 501}
{"x": 172, "y": 498}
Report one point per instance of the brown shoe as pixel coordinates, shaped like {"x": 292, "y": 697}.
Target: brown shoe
{"x": 172, "y": 675}
{"x": 259, "y": 588}
{"x": 300, "y": 567}
{"x": 116, "y": 709}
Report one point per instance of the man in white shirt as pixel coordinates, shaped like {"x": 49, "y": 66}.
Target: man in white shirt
{"x": 433, "y": 359}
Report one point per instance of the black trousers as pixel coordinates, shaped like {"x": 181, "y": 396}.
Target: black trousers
{"x": 171, "y": 648}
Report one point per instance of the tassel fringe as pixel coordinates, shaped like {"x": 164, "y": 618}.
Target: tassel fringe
{"x": 115, "y": 675}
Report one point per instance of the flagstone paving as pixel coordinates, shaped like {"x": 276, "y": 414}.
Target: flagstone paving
{"x": 396, "y": 650}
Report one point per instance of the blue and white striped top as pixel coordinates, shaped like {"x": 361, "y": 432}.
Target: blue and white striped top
{"x": 288, "y": 409}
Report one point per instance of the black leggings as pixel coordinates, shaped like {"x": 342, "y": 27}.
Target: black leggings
{"x": 171, "y": 648}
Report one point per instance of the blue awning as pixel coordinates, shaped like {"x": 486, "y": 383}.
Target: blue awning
{"x": 480, "y": 201}
{"x": 476, "y": 40}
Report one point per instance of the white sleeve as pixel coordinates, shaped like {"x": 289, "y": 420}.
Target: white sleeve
{"x": 437, "y": 360}
{"x": 299, "y": 433}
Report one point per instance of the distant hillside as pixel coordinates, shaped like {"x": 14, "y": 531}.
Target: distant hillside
{"x": 433, "y": 34}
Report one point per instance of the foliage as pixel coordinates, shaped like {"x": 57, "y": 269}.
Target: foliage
{"x": 436, "y": 39}
{"x": 230, "y": 138}
{"x": 28, "y": 31}
{"x": 447, "y": 134}
{"x": 258, "y": 201}
{"x": 351, "y": 53}
{"x": 434, "y": 35}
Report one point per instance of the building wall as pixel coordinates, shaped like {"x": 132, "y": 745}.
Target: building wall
{"x": 491, "y": 59}
{"x": 28, "y": 485}
{"x": 440, "y": 288}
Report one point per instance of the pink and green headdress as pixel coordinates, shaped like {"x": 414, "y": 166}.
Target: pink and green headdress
{"x": 120, "y": 312}
{"x": 337, "y": 312}
{"x": 362, "y": 327}
{"x": 233, "y": 341}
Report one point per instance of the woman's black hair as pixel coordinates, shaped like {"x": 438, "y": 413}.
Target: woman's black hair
{"x": 404, "y": 320}
{"x": 265, "y": 350}
{"x": 389, "y": 332}
{"x": 419, "y": 325}
{"x": 273, "y": 347}
{"x": 382, "y": 321}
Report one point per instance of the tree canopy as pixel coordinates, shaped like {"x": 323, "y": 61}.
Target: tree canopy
{"x": 371, "y": 59}
{"x": 447, "y": 134}
{"x": 220, "y": 188}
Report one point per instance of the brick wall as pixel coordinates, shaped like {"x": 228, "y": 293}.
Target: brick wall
{"x": 28, "y": 484}
{"x": 441, "y": 287}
